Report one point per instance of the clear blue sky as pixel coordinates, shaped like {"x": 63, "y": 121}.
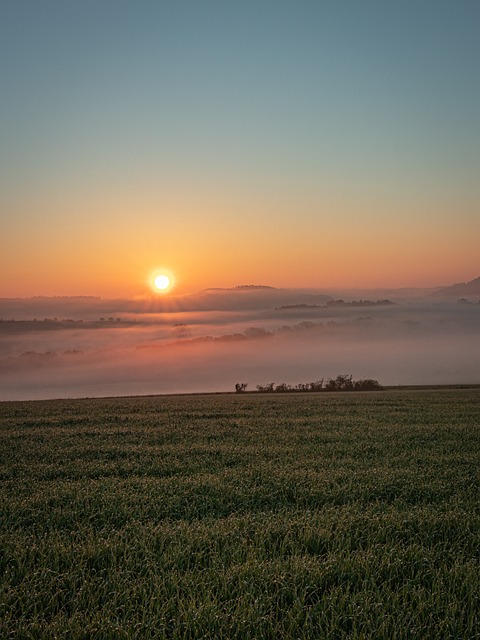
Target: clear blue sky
{"x": 275, "y": 102}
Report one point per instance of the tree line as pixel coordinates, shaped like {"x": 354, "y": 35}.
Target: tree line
{"x": 343, "y": 382}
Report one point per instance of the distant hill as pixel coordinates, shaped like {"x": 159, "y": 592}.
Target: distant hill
{"x": 246, "y": 287}
{"x": 337, "y": 303}
{"x": 471, "y": 288}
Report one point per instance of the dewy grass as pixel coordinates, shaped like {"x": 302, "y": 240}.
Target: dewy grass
{"x": 242, "y": 516}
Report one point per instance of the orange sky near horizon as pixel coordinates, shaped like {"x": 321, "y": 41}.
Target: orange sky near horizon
{"x": 109, "y": 246}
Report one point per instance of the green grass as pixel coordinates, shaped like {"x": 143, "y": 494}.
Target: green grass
{"x": 242, "y": 516}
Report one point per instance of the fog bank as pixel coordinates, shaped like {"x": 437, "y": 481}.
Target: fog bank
{"x": 147, "y": 351}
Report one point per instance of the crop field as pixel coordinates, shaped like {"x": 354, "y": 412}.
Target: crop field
{"x": 333, "y": 515}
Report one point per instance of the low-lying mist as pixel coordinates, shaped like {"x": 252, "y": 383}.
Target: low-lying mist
{"x": 90, "y": 347}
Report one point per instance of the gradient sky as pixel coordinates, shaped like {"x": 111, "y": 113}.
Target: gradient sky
{"x": 291, "y": 143}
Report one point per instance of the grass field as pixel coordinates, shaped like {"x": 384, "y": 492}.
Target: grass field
{"x": 315, "y": 516}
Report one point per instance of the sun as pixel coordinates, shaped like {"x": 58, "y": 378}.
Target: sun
{"x": 161, "y": 282}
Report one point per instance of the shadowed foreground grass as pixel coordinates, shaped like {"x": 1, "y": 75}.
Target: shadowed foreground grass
{"x": 242, "y": 516}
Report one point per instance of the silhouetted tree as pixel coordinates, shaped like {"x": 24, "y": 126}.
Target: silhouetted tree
{"x": 330, "y": 385}
{"x": 265, "y": 388}
{"x": 343, "y": 382}
{"x": 367, "y": 385}
{"x": 302, "y": 386}
{"x": 240, "y": 387}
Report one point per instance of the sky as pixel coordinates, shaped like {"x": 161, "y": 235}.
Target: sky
{"x": 306, "y": 143}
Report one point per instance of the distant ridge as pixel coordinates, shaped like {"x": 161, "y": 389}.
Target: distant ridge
{"x": 241, "y": 287}
{"x": 54, "y": 298}
{"x": 460, "y": 289}
{"x": 337, "y": 303}
{"x": 65, "y": 298}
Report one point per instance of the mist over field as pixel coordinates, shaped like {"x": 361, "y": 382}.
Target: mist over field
{"x": 75, "y": 347}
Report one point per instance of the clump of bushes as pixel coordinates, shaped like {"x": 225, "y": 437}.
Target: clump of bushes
{"x": 343, "y": 382}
